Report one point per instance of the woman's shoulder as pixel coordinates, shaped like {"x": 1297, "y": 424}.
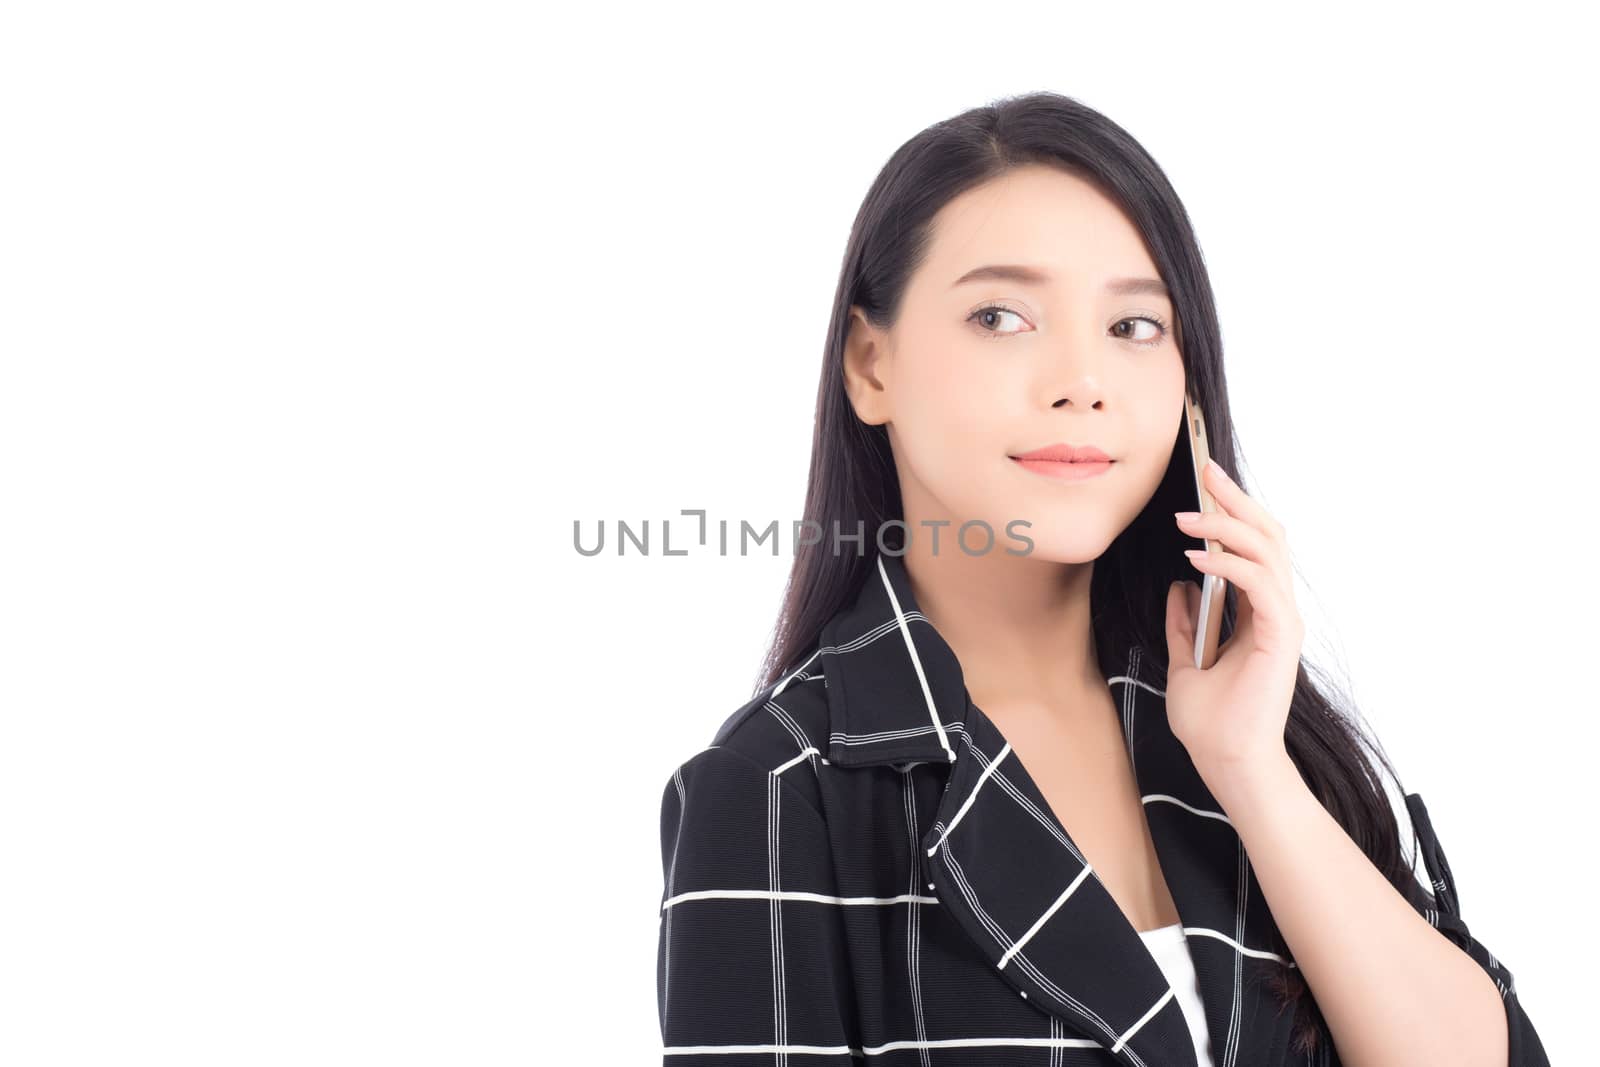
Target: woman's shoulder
{"x": 781, "y": 731}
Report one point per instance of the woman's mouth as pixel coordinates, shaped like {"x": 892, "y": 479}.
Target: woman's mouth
{"x": 1065, "y": 462}
{"x": 1066, "y": 471}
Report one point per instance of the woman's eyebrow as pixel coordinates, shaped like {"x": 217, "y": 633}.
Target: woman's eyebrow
{"x": 1024, "y": 275}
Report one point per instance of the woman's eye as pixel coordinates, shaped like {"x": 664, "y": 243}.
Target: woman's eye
{"x": 1158, "y": 327}
{"x": 988, "y": 317}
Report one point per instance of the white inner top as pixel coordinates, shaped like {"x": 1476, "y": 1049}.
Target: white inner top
{"x": 1170, "y": 947}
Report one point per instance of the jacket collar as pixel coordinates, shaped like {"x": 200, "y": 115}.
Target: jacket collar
{"x": 895, "y": 689}
{"x": 1003, "y": 865}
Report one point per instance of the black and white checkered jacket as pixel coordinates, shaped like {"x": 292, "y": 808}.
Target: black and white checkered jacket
{"x": 859, "y": 866}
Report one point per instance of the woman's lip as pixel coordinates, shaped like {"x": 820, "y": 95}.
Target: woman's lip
{"x": 1066, "y": 472}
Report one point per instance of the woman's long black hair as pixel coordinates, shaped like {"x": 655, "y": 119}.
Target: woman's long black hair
{"x": 852, "y": 475}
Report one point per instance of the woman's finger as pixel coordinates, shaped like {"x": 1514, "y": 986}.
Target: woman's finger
{"x": 1236, "y": 502}
{"x": 1270, "y": 611}
{"x": 1238, "y": 536}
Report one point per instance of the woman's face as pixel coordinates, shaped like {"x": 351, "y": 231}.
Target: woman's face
{"x": 977, "y": 371}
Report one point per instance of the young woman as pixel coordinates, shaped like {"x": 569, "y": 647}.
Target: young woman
{"x": 984, "y": 808}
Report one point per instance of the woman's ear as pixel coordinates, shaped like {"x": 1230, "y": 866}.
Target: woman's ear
{"x": 865, "y": 367}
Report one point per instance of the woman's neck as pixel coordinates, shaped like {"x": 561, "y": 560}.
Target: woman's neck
{"x": 1019, "y": 626}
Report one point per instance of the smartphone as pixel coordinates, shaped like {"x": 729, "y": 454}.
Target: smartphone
{"x": 1208, "y": 628}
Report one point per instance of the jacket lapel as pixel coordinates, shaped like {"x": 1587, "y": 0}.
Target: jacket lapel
{"x": 1000, "y": 860}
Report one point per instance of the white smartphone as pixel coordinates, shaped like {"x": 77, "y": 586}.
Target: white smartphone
{"x": 1208, "y": 627}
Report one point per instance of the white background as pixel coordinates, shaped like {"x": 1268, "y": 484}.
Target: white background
{"x": 322, "y": 323}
